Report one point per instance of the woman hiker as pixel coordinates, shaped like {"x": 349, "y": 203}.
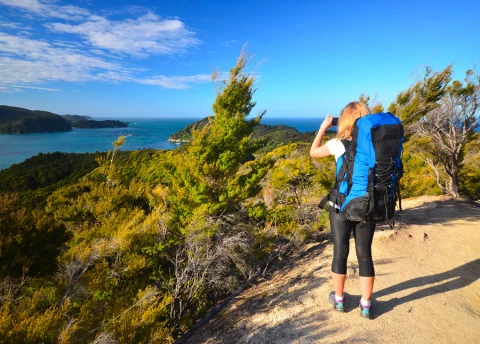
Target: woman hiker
{"x": 341, "y": 227}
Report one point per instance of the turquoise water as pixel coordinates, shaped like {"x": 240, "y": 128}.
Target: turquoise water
{"x": 142, "y": 133}
{"x": 301, "y": 124}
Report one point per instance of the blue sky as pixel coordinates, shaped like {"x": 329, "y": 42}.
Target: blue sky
{"x": 154, "y": 58}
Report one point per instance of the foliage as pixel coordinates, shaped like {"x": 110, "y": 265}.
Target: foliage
{"x": 72, "y": 118}
{"x": 39, "y": 176}
{"x": 210, "y": 172}
{"x": 267, "y": 136}
{"x": 212, "y": 177}
{"x": 134, "y": 247}
{"x": 272, "y": 136}
{"x": 422, "y": 97}
{"x": 470, "y": 170}
{"x": 185, "y": 134}
{"x": 92, "y": 124}
{"x": 88, "y": 122}
{"x": 418, "y": 178}
{"x": 29, "y": 242}
{"x": 373, "y": 105}
{"x": 45, "y": 170}
{"x": 14, "y": 120}
{"x": 293, "y": 189}
{"x": 442, "y": 117}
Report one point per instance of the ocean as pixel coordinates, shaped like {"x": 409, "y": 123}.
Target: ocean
{"x": 141, "y": 132}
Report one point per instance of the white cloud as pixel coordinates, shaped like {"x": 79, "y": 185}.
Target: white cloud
{"x": 12, "y": 88}
{"x": 15, "y": 26}
{"x": 231, "y": 43}
{"x": 26, "y": 61}
{"x": 100, "y": 53}
{"x": 176, "y": 82}
{"x": 147, "y": 35}
{"x": 30, "y": 5}
{"x": 46, "y": 9}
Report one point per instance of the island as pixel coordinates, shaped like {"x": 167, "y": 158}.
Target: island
{"x": 16, "y": 120}
{"x": 185, "y": 134}
{"x": 87, "y": 122}
{"x": 267, "y": 136}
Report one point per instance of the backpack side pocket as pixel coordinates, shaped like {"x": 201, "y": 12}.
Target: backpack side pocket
{"x": 383, "y": 207}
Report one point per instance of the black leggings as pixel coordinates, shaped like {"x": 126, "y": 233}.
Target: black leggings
{"x": 362, "y": 232}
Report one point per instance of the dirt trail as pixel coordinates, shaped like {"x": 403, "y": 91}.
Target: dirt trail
{"x": 427, "y": 288}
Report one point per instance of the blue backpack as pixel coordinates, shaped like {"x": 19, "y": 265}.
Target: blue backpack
{"x": 368, "y": 173}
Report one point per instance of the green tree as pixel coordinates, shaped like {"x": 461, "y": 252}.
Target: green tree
{"x": 470, "y": 171}
{"x": 422, "y": 97}
{"x": 441, "y": 117}
{"x": 293, "y": 189}
{"x": 213, "y": 175}
{"x": 373, "y": 105}
{"x": 213, "y": 170}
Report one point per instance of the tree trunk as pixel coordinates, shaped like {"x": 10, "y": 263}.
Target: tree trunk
{"x": 445, "y": 189}
{"x": 454, "y": 186}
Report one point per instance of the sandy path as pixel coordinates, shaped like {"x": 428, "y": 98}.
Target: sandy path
{"x": 427, "y": 288}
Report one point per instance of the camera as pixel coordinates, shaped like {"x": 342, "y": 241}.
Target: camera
{"x": 335, "y": 121}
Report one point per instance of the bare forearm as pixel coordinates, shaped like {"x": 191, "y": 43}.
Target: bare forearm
{"x": 317, "y": 150}
{"x": 317, "y": 142}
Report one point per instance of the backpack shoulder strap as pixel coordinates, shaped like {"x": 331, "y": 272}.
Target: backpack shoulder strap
{"x": 342, "y": 175}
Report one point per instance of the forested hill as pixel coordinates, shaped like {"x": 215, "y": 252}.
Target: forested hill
{"x": 185, "y": 134}
{"x": 87, "y": 122}
{"x": 72, "y": 118}
{"x": 15, "y": 120}
{"x": 269, "y": 136}
{"x": 272, "y": 136}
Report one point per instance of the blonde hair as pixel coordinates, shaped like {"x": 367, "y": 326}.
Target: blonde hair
{"x": 347, "y": 118}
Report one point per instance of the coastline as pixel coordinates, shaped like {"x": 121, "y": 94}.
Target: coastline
{"x": 145, "y": 133}
{"x": 178, "y": 140}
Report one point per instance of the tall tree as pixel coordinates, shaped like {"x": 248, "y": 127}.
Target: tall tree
{"x": 441, "y": 116}
{"x": 212, "y": 176}
{"x": 422, "y": 97}
{"x": 211, "y": 172}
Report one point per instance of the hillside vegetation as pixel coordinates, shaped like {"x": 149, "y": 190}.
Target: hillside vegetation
{"x": 14, "y": 120}
{"x": 72, "y": 118}
{"x": 87, "y": 122}
{"x": 185, "y": 134}
{"x": 268, "y": 136}
{"x": 134, "y": 247}
{"x": 99, "y": 124}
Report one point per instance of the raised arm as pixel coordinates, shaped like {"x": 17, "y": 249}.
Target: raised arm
{"x": 317, "y": 150}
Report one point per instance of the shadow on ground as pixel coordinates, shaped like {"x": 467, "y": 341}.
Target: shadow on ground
{"x": 289, "y": 288}
{"x": 451, "y": 210}
{"x": 457, "y": 278}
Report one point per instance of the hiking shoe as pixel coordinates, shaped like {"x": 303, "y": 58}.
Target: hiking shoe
{"x": 365, "y": 311}
{"x": 338, "y": 306}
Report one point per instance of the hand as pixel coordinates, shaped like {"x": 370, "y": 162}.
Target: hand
{"x": 327, "y": 123}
